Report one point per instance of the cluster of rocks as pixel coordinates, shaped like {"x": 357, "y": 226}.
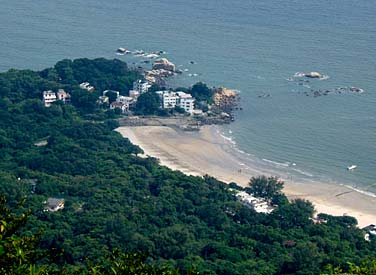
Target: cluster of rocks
{"x": 161, "y": 70}
{"x": 339, "y": 90}
{"x": 226, "y": 100}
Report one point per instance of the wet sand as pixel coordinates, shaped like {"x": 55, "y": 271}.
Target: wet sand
{"x": 206, "y": 152}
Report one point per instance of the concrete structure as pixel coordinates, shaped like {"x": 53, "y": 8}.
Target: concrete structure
{"x": 122, "y": 106}
{"x": 54, "y": 204}
{"x": 127, "y": 101}
{"x": 141, "y": 86}
{"x": 49, "y": 97}
{"x": 112, "y": 91}
{"x": 186, "y": 101}
{"x": 63, "y": 96}
{"x": 134, "y": 94}
{"x": 258, "y": 204}
{"x": 170, "y": 100}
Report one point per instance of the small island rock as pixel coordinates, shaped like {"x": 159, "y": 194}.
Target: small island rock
{"x": 313, "y": 75}
{"x": 163, "y": 64}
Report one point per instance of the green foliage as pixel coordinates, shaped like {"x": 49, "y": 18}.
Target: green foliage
{"x": 269, "y": 188}
{"x": 114, "y": 199}
{"x": 17, "y": 252}
{"x": 365, "y": 268}
{"x": 148, "y": 104}
{"x": 201, "y": 92}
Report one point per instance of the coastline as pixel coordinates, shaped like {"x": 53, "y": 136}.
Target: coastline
{"x": 206, "y": 152}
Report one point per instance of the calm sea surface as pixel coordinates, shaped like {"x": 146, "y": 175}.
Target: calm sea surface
{"x": 253, "y": 46}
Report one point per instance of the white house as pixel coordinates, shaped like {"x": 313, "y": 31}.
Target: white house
{"x": 123, "y": 106}
{"x": 258, "y": 204}
{"x": 48, "y": 97}
{"x": 127, "y": 101}
{"x": 141, "y": 86}
{"x": 63, "y": 96}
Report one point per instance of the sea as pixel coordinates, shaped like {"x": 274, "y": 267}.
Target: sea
{"x": 308, "y": 129}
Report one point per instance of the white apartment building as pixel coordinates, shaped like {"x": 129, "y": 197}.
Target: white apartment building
{"x": 186, "y": 101}
{"x": 48, "y": 97}
{"x": 171, "y": 99}
{"x": 141, "y": 86}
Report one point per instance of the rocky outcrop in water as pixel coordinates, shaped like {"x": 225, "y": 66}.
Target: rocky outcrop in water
{"x": 313, "y": 75}
{"x": 163, "y": 64}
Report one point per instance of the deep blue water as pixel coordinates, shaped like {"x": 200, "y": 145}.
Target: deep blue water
{"x": 252, "y": 46}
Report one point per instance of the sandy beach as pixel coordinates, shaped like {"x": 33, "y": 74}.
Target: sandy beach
{"x": 206, "y": 152}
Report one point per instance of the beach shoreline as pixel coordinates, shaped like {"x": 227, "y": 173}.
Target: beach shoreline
{"x": 207, "y": 152}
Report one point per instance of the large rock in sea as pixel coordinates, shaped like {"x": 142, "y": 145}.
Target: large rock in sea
{"x": 163, "y": 64}
{"x": 313, "y": 75}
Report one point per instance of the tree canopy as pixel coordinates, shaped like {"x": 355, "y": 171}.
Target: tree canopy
{"x": 117, "y": 201}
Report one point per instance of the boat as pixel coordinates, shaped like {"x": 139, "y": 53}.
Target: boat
{"x": 351, "y": 167}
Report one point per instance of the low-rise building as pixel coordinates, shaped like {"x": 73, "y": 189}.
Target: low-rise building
{"x": 122, "y": 106}
{"x": 258, "y": 204}
{"x": 49, "y": 97}
{"x": 63, "y": 96}
{"x": 134, "y": 94}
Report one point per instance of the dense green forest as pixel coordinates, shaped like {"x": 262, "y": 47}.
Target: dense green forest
{"x": 116, "y": 201}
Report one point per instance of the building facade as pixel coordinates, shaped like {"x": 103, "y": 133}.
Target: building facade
{"x": 170, "y": 100}
{"x": 49, "y": 97}
{"x": 141, "y": 86}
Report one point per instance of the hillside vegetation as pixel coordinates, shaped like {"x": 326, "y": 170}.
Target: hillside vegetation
{"x": 117, "y": 201}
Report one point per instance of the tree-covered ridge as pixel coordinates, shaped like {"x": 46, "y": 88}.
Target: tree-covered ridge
{"x": 116, "y": 200}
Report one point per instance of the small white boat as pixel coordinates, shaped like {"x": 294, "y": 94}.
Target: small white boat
{"x": 351, "y": 167}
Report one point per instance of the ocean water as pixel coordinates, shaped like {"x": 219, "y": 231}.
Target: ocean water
{"x": 252, "y": 46}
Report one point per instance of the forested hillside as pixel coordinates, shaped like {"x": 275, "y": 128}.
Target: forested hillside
{"x": 117, "y": 200}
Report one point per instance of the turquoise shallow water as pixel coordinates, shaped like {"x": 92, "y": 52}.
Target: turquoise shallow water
{"x": 252, "y": 46}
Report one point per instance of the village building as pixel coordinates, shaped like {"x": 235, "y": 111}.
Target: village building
{"x": 120, "y": 105}
{"x": 141, "y": 86}
{"x": 63, "y": 96}
{"x": 54, "y": 204}
{"x": 134, "y": 94}
{"x": 170, "y": 100}
{"x": 49, "y": 97}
